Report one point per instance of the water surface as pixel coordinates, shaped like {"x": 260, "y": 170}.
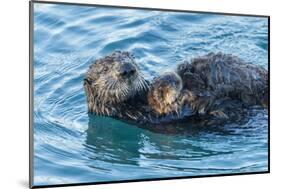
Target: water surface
{"x": 71, "y": 147}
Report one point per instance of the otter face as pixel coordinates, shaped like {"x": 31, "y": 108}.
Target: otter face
{"x": 113, "y": 79}
{"x": 164, "y": 93}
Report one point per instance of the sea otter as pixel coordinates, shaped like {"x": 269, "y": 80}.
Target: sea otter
{"x": 165, "y": 95}
{"x": 211, "y": 86}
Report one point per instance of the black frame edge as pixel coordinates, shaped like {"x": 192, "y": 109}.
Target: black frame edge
{"x": 31, "y": 133}
{"x": 268, "y": 51}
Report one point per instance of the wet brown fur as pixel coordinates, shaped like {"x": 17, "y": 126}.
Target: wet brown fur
{"x": 217, "y": 85}
{"x": 214, "y": 78}
{"x": 112, "y": 94}
{"x": 164, "y": 96}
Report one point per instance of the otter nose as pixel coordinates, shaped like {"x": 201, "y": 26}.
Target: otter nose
{"x": 127, "y": 70}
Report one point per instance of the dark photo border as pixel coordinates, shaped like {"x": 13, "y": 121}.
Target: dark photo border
{"x": 31, "y": 93}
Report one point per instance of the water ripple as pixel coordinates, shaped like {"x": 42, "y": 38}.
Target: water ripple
{"x": 71, "y": 147}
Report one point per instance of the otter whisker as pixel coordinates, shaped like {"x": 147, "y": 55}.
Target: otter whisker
{"x": 140, "y": 84}
{"x": 144, "y": 83}
{"x": 108, "y": 88}
{"x": 123, "y": 92}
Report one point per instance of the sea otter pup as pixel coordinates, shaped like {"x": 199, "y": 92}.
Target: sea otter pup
{"x": 165, "y": 97}
{"x": 211, "y": 86}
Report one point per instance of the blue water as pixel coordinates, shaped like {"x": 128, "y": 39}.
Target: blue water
{"x": 71, "y": 147}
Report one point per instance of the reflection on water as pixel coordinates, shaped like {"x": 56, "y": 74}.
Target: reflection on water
{"x": 192, "y": 151}
{"x": 71, "y": 146}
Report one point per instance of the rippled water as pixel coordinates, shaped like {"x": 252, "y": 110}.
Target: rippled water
{"x": 71, "y": 147}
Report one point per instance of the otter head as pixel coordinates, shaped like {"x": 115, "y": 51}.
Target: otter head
{"x": 112, "y": 80}
{"x": 164, "y": 94}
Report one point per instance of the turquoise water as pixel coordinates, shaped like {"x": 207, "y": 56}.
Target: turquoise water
{"x": 72, "y": 147}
